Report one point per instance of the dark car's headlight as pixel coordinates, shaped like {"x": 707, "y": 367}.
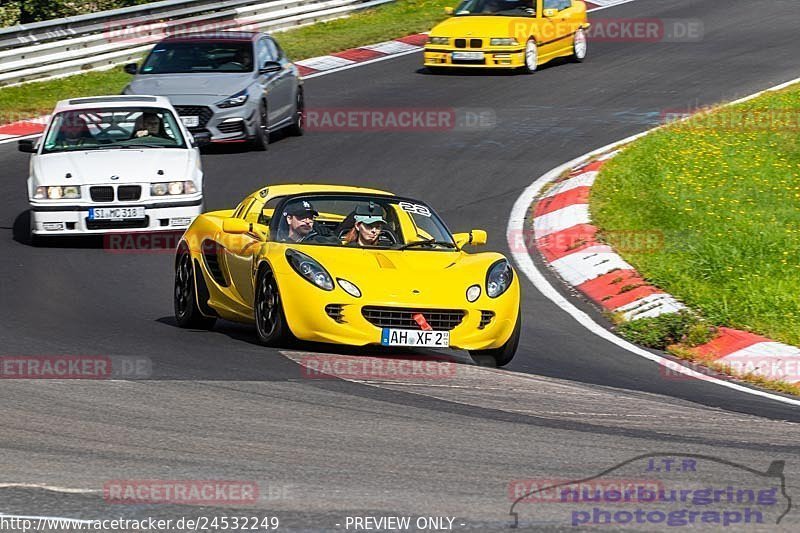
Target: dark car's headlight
{"x": 309, "y": 269}
{"x": 234, "y": 101}
{"x": 499, "y": 278}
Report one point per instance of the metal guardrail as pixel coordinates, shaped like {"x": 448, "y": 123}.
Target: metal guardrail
{"x": 72, "y": 45}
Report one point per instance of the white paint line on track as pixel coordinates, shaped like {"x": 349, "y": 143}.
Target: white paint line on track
{"x": 51, "y": 488}
{"x": 516, "y": 224}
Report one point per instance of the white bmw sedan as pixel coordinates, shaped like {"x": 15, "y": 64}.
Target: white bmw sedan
{"x": 111, "y": 164}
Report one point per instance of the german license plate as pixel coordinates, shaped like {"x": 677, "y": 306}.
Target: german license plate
{"x": 115, "y": 213}
{"x": 190, "y": 122}
{"x": 415, "y": 337}
{"x": 467, "y": 56}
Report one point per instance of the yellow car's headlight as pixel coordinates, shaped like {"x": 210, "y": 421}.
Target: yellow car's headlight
{"x": 503, "y": 41}
{"x": 499, "y": 278}
{"x": 439, "y": 40}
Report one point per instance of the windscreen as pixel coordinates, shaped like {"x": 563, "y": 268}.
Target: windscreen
{"x": 513, "y": 8}
{"x": 100, "y": 129}
{"x": 193, "y": 56}
{"x": 363, "y": 220}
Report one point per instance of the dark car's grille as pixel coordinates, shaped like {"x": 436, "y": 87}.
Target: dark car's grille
{"x": 231, "y": 127}
{"x": 118, "y": 224}
{"x": 129, "y": 193}
{"x": 335, "y": 312}
{"x": 204, "y": 114}
{"x": 397, "y": 317}
{"x": 486, "y": 317}
{"x": 102, "y": 194}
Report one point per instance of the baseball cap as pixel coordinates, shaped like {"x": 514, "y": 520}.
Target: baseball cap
{"x": 301, "y": 210}
{"x": 369, "y": 214}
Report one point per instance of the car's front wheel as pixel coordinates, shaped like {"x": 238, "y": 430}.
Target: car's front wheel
{"x": 268, "y": 310}
{"x": 261, "y": 140}
{"x": 187, "y": 312}
{"x": 531, "y": 56}
{"x": 579, "y": 46}
{"x": 505, "y": 353}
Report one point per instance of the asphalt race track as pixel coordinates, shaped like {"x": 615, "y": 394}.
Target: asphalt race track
{"x": 219, "y": 406}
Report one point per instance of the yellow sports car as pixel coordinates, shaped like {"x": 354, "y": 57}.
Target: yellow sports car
{"x": 346, "y": 265}
{"x": 508, "y": 34}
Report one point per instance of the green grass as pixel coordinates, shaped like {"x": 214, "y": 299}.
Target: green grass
{"x": 725, "y": 193}
{"x": 404, "y": 17}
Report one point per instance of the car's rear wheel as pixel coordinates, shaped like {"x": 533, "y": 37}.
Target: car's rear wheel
{"x": 268, "y": 310}
{"x": 579, "y": 46}
{"x": 531, "y": 56}
{"x": 187, "y": 312}
{"x": 298, "y": 124}
{"x": 261, "y": 140}
{"x": 504, "y": 354}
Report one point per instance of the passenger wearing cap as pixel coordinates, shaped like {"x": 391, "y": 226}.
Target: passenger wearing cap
{"x": 300, "y": 218}
{"x": 369, "y": 223}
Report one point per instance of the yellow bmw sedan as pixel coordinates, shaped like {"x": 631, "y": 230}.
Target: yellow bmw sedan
{"x": 508, "y": 34}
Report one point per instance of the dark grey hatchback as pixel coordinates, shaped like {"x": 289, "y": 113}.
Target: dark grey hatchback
{"x": 229, "y": 86}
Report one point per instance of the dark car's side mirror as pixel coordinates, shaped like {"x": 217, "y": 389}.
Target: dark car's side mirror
{"x": 131, "y": 68}
{"x": 27, "y": 146}
{"x": 201, "y": 138}
{"x": 270, "y": 66}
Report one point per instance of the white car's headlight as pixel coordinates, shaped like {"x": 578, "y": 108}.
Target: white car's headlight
{"x": 234, "y": 101}
{"x": 172, "y": 188}
{"x": 310, "y": 269}
{"x": 499, "y": 278}
{"x": 503, "y": 41}
{"x": 439, "y": 40}
{"x": 57, "y": 192}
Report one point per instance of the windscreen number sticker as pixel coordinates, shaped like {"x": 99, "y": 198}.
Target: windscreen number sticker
{"x": 417, "y": 209}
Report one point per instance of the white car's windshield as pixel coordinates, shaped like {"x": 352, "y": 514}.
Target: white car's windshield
{"x": 513, "y": 8}
{"x": 117, "y": 128}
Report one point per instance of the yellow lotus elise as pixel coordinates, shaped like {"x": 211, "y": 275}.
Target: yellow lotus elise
{"x": 508, "y": 34}
{"x": 346, "y": 265}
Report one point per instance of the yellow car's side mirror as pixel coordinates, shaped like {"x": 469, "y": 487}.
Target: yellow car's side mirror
{"x": 475, "y": 237}
{"x": 449, "y": 10}
{"x": 235, "y": 225}
{"x": 550, "y": 12}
